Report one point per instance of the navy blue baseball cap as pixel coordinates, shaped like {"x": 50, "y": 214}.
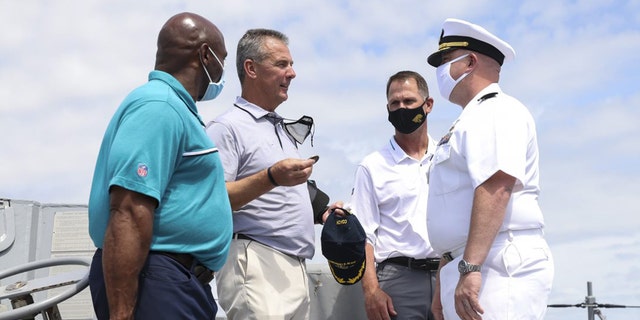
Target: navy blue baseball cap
{"x": 343, "y": 244}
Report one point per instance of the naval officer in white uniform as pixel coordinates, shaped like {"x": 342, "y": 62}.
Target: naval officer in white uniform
{"x": 483, "y": 207}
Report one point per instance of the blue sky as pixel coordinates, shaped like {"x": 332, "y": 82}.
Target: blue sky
{"x": 66, "y": 65}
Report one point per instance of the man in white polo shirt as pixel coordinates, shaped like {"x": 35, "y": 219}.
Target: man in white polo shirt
{"x": 390, "y": 200}
{"x": 484, "y": 216}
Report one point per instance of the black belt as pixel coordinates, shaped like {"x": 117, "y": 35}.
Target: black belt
{"x": 242, "y": 237}
{"x": 202, "y": 273}
{"x": 429, "y": 264}
{"x": 185, "y": 259}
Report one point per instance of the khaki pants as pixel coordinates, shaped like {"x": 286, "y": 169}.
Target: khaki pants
{"x": 258, "y": 282}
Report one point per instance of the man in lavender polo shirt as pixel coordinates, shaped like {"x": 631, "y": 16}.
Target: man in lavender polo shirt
{"x": 265, "y": 274}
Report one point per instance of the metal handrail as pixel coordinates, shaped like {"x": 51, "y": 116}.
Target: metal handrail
{"x": 593, "y": 308}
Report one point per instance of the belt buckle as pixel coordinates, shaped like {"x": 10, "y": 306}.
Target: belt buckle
{"x": 422, "y": 265}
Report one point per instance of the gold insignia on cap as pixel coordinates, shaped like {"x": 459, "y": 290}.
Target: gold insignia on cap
{"x": 358, "y": 276}
{"x": 448, "y": 45}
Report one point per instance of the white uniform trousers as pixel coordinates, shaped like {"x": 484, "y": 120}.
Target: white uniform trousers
{"x": 516, "y": 278}
{"x": 258, "y": 282}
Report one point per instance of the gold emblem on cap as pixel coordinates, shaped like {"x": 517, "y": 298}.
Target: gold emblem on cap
{"x": 349, "y": 280}
{"x": 448, "y": 45}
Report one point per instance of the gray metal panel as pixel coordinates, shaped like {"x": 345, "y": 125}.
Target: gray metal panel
{"x": 22, "y": 250}
{"x": 331, "y": 300}
{"x": 7, "y": 225}
{"x": 42, "y": 231}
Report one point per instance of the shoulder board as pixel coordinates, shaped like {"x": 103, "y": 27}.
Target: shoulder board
{"x": 487, "y": 97}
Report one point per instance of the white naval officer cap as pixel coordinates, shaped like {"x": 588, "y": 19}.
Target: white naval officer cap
{"x": 460, "y": 34}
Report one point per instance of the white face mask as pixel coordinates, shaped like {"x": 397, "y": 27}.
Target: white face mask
{"x": 445, "y": 82}
{"x": 213, "y": 89}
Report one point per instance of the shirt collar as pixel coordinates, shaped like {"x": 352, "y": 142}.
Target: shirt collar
{"x": 399, "y": 155}
{"x": 178, "y": 88}
{"x": 254, "y": 110}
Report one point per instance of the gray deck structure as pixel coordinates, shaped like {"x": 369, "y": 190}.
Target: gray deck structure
{"x": 33, "y": 231}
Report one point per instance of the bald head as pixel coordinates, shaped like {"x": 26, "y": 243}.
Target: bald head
{"x": 191, "y": 49}
{"x": 180, "y": 39}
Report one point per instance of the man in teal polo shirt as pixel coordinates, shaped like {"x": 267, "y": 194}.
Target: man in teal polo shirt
{"x": 159, "y": 212}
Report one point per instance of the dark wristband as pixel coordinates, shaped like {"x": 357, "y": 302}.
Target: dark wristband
{"x": 273, "y": 181}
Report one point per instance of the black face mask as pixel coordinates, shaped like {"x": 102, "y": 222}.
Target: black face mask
{"x": 299, "y": 130}
{"x": 408, "y": 120}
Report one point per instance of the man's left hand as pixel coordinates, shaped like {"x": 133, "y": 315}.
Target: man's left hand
{"x": 331, "y": 208}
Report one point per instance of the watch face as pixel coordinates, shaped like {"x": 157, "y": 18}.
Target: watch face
{"x": 462, "y": 266}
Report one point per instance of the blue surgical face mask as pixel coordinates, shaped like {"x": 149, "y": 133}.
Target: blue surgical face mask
{"x": 214, "y": 88}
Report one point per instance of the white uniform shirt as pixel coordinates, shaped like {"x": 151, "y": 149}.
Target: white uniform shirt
{"x": 492, "y": 134}
{"x": 390, "y": 199}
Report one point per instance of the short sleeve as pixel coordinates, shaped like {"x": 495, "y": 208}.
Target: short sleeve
{"x": 496, "y": 141}
{"x": 365, "y": 204}
{"x": 145, "y": 149}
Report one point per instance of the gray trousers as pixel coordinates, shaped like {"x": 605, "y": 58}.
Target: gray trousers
{"x": 411, "y": 290}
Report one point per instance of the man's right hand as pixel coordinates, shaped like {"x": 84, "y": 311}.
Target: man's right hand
{"x": 125, "y": 248}
{"x": 287, "y": 172}
{"x": 378, "y": 305}
{"x": 292, "y": 172}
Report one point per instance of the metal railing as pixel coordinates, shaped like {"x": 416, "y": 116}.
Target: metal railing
{"x": 593, "y": 308}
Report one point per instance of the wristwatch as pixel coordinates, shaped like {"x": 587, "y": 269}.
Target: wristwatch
{"x": 465, "y": 267}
